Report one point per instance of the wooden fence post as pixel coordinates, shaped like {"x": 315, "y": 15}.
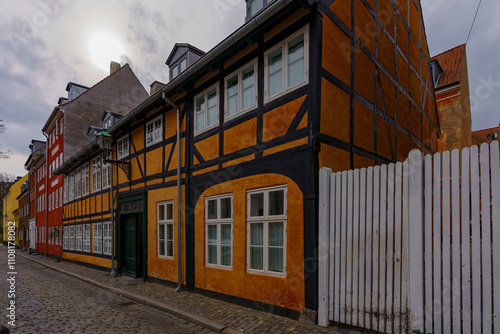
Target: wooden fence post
{"x": 416, "y": 241}
{"x": 324, "y": 245}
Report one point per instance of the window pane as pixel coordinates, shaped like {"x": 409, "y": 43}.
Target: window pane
{"x": 256, "y": 256}
{"x": 212, "y": 234}
{"x": 212, "y": 107}
{"x": 170, "y": 211}
{"x": 276, "y": 234}
{"x": 212, "y": 254}
{"x": 225, "y": 207}
{"x": 161, "y": 247}
{"x": 232, "y": 105}
{"x": 161, "y": 232}
{"x": 255, "y": 6}
{"x": 276, "y": 202}
{"x": 212, "y": 209}
{"x": 225, "y": 234}
{"x": 212, "y": 116}
{"x": 225, "y": 255}
{"x": 200, "y": 113}
{"x": 296, "y": 61}
{"x": 256, "y": 234}
{"x": 161, "y": 212}
{"x": 275, "y": 83}
{"x": 257, "y": 205}
{"x": 275, "y": 61}
{"x": 170, "y": 232}
{"x": 296, "y": 73}
{"x": 275, "y": 262}
{"x": 183, "y": 64}
{"x": 248, "y": 98}
{"x": 170, "y": 248}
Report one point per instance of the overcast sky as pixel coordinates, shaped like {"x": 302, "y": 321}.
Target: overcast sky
{"x": 44, "y": 44}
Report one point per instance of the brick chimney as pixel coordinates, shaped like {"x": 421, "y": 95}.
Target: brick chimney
{"x": 113, "y": 67}
{"x": 155, "y": 86}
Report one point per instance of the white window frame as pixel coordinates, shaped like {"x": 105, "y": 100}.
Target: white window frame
{"x": 239, "y": 73}
{"x": 165, "y": 223}
{"x": 96, "y": 174}
{"x": 71, "y": 238}
{"x": 266, "y": 219}
{"x": 86, "y": 238}
{"x": 97, "y": 238}
{"x": 122, "y": 147}
{"x": 106, "y": 238}
{"x": 78, "y": 183}
{"x": 156, "y": 138}
{"x": 85, "y": 179}
{"x": 66, "y": 237}
{"x": 79, "y": 238}
{"x": 197, "y": 131}
{"x": 106, "y": 171}
{"x": 284, "y": 58}
{"x": 218, "y": 221}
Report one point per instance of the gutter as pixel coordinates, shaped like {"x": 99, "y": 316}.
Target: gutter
{"x": 179, "y": 206}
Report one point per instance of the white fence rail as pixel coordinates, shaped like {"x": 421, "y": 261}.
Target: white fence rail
{"x": 413, "y": 245}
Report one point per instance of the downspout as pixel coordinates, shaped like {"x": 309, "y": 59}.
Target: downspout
{"x": 46, "y": 189}
{"x": 179, "y": 249}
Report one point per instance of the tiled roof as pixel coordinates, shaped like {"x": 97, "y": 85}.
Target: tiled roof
{"x": 486, "y": 135}
{"x": 450, "y": 62}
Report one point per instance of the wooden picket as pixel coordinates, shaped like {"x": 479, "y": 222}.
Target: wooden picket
{"x": 413, "y": 245}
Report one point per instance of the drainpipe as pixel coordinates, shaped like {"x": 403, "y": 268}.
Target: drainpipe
{"x": 46, "y": 189}
{"x": 179, "y": 262}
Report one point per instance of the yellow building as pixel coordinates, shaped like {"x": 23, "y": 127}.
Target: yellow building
{"x": 10, "y": 209}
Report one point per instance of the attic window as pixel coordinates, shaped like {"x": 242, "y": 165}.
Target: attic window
{"x": 255, "y": 6}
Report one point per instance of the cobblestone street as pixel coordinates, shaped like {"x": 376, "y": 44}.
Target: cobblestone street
{"x": 51, "y": 302}
{"x": 62, "y": 297}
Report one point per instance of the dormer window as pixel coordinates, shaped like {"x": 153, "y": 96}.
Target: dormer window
{"x": 182, "y": 56}
{"x": 436, "y": 71}
{"x": 255, "y": 6}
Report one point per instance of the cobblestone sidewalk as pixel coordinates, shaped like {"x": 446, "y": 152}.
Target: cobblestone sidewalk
{"x": 209, "y": 312}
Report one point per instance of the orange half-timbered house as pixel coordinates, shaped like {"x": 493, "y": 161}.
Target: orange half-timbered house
{"x": 301, "y": 85}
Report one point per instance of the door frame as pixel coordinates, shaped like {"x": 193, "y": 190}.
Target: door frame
{"x": 141, "y": 210}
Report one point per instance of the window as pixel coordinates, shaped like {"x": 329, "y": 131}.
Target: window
{"x": 78, "y": 183}
{"x": 65, "y": 237}
{"x": 78, "y": 237}
{"x": 60, "y": 196}
{"x": 175, "y": 71}
{"x": 106, "y": 171}
{"x": 266, "y": 228}
{"x": 71, "y": 187}
{"x": 86, "y": 238}
{"x": 241, "y": 93}
{"x": 97, "y": 238}
{"x": 219, "y": 231}
{"x": 183, "y": 65}
{"x": 122, "y": 147}
{"x": 207, "y": 111}
{"x": 106, "y": 238}
{"x": 286, "y": 65}
{"x": 96, "y": 174}
{"x": 255, "y": 6}
{"x": 71, "y": 238}
{"x": 154, "y": 131}
{"x": 165, "y": 219}
{"x": 85, "y": 179}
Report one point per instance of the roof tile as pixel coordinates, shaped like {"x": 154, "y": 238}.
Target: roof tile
{"x": 450, "y": 62}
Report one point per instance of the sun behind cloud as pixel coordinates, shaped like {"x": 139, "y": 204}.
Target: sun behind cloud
{"x": 104, "y": 48}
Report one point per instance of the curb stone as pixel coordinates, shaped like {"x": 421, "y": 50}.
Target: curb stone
{"x": 212, "y": 325}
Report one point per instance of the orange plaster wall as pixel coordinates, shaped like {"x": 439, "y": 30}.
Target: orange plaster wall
{"x": 277, "y": 121}
{"x": 240, "y": 136}
{"x": 154, "y": 161}
{"x": 280, "y": 291}
{"x": 208, "y": 148}
{"x": 163, "y": 268}
{"x": 336, "y": 50}
{"x": 335, "y": 111}
{"x": 293, "y": 18}
{"x": 334, "y": 158}
{"x": 97, "y": 261}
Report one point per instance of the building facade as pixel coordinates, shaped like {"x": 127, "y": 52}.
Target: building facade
{"x": 11, "y": 210}
{"x": 219, "y": 177}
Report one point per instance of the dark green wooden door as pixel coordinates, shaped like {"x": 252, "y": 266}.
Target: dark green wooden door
{"x": 131, "y": 245}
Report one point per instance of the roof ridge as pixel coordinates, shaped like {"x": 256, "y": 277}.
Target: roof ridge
{"x": 456, "y": 47}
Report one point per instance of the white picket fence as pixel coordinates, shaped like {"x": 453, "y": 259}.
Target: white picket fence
{"x": 413, "y": 245}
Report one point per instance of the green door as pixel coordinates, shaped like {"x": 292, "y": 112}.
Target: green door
{"x": 131, "y": 245}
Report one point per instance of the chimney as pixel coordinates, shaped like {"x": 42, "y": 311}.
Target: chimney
{"x": 113, "y": 67}
{"x": 155, "y": 86}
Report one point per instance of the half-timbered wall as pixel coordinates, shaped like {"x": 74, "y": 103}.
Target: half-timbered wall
{"x": 377, "y": 98}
